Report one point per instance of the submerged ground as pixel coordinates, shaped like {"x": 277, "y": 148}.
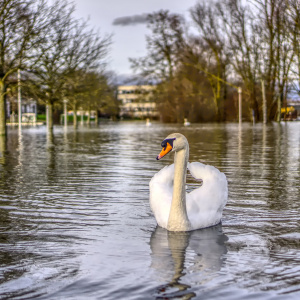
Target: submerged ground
{"x": 76, "y": 222}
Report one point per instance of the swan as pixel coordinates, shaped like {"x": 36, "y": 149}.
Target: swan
{"x": 148, "y": 123}
{"x": 174, "y": 208}
{"x": 186, "y": 122}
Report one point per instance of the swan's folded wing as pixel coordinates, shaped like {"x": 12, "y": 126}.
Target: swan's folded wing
{"x": 209, "y": 175}
{"x": 205, "y": 204}
{"x": 161, "y": 189}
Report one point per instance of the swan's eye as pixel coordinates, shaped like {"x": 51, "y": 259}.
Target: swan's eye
{"x": 164, "y": 144}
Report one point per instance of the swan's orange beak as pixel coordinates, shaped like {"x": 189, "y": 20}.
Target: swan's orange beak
{"x": 164, "y": 151}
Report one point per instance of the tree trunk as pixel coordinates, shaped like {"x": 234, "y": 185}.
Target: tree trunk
{"x": 49, "y": 117}
{"x": 89, "y": 117}
{"x": 279, "y": 108}
{"x": 96, "y": 117}
{"x": 75, "y": 115}
{"x": 3, "y": 145}
{"x": 218, "y": 112}
{"x": 2, "y": 108}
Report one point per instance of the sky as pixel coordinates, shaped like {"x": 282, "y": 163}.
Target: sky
{"x": 124, "y": 19}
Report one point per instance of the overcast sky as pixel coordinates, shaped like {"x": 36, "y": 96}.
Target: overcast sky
{"x": 125, "y": 20}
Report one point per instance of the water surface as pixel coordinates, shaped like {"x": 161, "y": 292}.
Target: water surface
{"x": 76, "y": 222}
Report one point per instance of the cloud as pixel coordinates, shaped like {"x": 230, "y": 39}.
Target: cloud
{"x": 130, "y": 20}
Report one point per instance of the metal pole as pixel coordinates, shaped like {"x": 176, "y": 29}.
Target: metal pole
{"x": 264, "y": 102}
{"x": 240, "y": 104}
{"x": 19, "y": 100}
{"x": 47, "y": 117}
{"x": 65, "y": 113}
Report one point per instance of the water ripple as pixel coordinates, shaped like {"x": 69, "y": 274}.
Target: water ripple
{"x": 76, "y": 222}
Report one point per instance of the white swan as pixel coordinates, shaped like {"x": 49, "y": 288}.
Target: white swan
{"x": 173, "y": 208}
{"x": 148, "y": 123}
{"x": 186, "y": 122}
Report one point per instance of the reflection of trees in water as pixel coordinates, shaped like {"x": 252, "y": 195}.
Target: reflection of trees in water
{"x": 25, "y": 239}
{"x": 8, "y": 184}
{"x": 177, "y": 254}
{"x": 11, "y": 169}
{"x": 265, "y": 161}
{"x": 51, "y": 153}
{"x": 2, "y": 149}
{"x": 280, "y": 165}
{"x": 207, "y": 143}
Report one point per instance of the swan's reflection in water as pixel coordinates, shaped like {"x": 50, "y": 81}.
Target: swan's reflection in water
{"x": 176, "y": 257}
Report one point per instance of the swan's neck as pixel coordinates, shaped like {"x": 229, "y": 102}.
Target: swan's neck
{"x": 178, "y": 219}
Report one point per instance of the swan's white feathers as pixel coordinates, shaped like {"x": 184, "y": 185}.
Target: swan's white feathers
{"x": 204, "y": 204}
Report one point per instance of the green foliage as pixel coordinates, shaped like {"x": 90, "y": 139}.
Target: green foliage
{"x": 41, "y": 117}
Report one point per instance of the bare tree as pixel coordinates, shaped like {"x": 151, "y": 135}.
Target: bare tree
{"x": 71, "y": 50}
{"x": 164, "y": 46}
{"x": 239, "y": 43}
{"x": 243, "y": 46}
{"x": 277, "y": 50}
{"x": 22, "y": 27}
{"x": 211, "y": 35}
{"x": 294, "y": 33}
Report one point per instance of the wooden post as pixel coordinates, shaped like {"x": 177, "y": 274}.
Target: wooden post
{"x": 240, "y": 104}
{"x": 264, "y": 102}
{"x": 19, "y": 100}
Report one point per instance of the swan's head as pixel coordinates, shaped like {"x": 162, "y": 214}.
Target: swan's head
{"x": 173, "y": 142}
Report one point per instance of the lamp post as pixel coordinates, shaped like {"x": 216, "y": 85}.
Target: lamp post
{"x": 19, "y": 100}
{"x": 264, "y": 102}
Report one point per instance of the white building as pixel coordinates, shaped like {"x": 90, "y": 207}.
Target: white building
{"x": 136, "y": 101}
{"x": 28, "y": 106}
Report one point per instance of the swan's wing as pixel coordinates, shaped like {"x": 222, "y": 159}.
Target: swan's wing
{"x": 205, "y": 204}
{"x": 161, "y": 189}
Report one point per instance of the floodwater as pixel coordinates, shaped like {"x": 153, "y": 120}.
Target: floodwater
{"x": 76, "y": 222}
